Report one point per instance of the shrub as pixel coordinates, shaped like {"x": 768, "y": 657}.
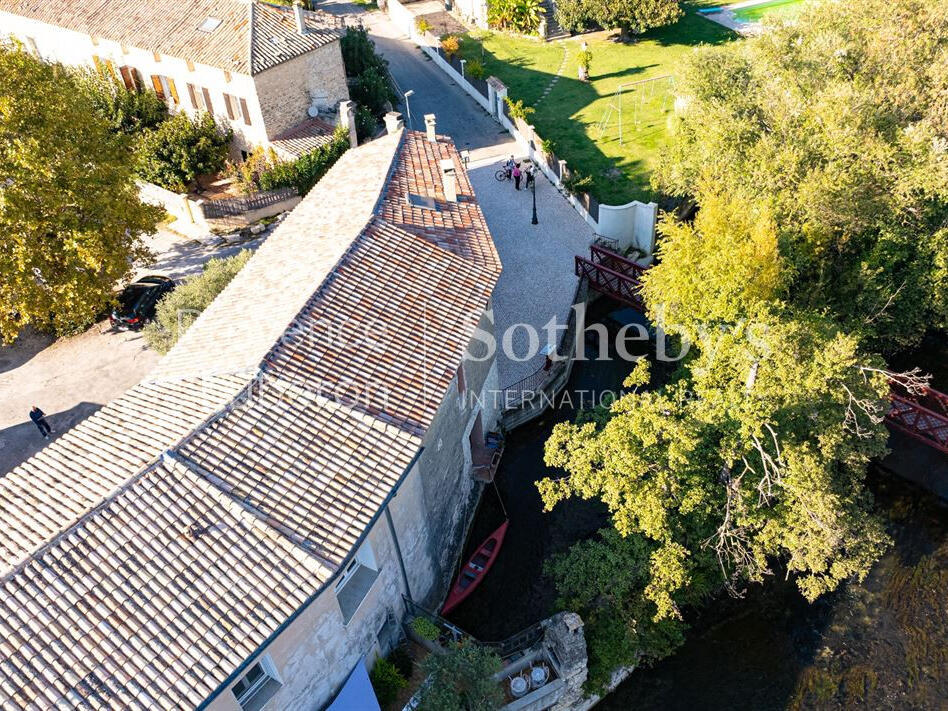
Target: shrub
{"x": 450, "y": 44}
{"x": 306, "y": 171}
{"x": 249, "y": 172}
{"x": 176, "y": 311}
{"x": 422, "y": 25}
{"x": 474, "y": 69}
{"x": 179, "y": 149}
{"x": 517, "y": 109}
{"x": 521, "y": 16}
{"x": 366, "y": 123}
{"x": 461, "y": 680}
{"x": 575, "y": 182}
{"x": 386, "y": 681}
{"x": 124, "y": 111}
{"x": 402, "y": 661}
{"x": 358, "y": 52}
{"x": 425, "y": 628}
{"x": 373, "y": 89}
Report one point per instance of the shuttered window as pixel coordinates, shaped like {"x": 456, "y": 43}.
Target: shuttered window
{"x": 192, "y": 92}
{"x": 244, "y": 112}
{"x": 229, "y": 105}
{"x": 172, "y": 89}
{"x": 129, "y": 78}
{"x": 159, "y": 87}
{"x": 207, "y": 101}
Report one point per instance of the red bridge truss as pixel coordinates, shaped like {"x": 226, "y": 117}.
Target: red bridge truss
{"x": 612, "y": 274}
{"x": 923, "y": 417}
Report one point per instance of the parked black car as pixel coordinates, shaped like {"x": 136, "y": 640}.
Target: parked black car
{"x": 137, "y": 302}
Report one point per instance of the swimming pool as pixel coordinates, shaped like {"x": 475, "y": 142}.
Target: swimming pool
{"x": 772, "y": 8}
{"x": 745, "y": 17}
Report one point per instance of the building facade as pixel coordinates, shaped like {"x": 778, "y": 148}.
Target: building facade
{"x": 241, "y": 529}
{"x": 261, "y": 69}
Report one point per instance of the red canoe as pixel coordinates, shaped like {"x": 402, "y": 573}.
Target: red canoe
{"x": 476, "y": 568}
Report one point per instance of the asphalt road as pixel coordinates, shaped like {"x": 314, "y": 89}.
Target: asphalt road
{"x": 458, "y": 115}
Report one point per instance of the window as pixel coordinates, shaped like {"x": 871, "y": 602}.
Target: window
{"x": 209, "y": 25}
{"x": 165, "y": 88}
{"x": 131, "y": 78}
{"x": 257, "y": 686}
{"x": 356, "y": 581}
{"x": 105, "y": 67}
{"x": 462, "y": 385}
{"x": 200, "y": 98}
{"x": 236, "y": 108}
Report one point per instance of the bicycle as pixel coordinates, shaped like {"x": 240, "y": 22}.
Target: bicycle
{"x": 503, "y": 174}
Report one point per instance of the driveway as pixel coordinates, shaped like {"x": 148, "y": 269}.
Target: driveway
{"x": 71, "y": 378}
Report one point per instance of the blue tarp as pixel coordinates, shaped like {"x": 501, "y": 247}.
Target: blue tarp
{"x": 357, "y": 693}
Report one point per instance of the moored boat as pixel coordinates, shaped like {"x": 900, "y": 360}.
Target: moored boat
{"x": 475, "y": 569}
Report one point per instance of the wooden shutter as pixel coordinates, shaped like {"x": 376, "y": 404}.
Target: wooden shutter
{"x": 193, "y": 95}
{"x": 229, "y": 105}
{"x": 127, "y": 79}
{"x": 98, "y": 65}
{"x": 111, "y": 68}
{"x": 207, "y": 101}
{"x": 244, "y": 111}
{"x": 159, "y": 89}
{"x": 174, "y": 91}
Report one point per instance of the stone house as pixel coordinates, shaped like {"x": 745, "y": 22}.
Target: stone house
{"x": 273, "y": 74}
{"x": 241, "y": 529}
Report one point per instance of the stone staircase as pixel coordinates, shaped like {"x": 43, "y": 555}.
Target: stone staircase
{"x": 553, "y": 29}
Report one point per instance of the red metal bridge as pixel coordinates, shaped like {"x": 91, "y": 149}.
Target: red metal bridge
{"x": 924, "y": 417}
{"x": 612, "y": 274}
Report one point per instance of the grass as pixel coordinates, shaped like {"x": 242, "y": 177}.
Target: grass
{"x": 572, "y": 114}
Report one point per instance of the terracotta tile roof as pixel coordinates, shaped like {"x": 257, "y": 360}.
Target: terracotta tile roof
{"x": 132, "y": 583}
{"x": 304, "y": 137}
{"x": 251, "y": 37}
{"x": 52, "y": 490}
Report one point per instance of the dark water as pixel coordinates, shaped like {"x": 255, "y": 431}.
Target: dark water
{"x": 514, "y": 595}
{"x": 878, "y": 644}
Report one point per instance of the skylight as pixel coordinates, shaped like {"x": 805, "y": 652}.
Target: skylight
{"x": 209, "y": 25}
{"x": 421, "y": 201}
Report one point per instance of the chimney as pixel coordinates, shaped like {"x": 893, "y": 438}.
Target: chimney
{"x": 298, "y": 14}
{"x": 430, "y": 128}
{"x": 449, "y": 180}
{"x": 393, "y": 122}
{"x": 347, "y": 113}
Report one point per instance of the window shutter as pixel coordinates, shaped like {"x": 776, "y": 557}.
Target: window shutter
{"x": 127, "y": 78}
{"x": 207, "y": 101}
{"x": 159, "y": 89}
{"x": 193, "y": 95}
{"x": 98, "y": 64}
{"x": 244, "y": 111}
{"x": 229, "y": 105}
{"x": 111, "y": 67}
{"x": 173, "y": 91}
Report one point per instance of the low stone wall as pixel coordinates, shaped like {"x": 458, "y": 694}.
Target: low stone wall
{"x": 179, "y": 206}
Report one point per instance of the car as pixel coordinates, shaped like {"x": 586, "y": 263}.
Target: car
{"x": 137, "y": 302}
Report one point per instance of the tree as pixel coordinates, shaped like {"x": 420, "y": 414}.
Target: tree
{"x": 633, "y": 17}
{"x": 836, "y": 123}
{"x": 177, "y": 310}
{"x": 70, "y": 217}
{"x": 462, "y": 680}
{"x": 125, "y": 111}
{"x": 182, "y": 148}
{"x": 521, "y": 16}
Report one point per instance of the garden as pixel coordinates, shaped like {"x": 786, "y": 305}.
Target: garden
{"x": 582, "y": 118}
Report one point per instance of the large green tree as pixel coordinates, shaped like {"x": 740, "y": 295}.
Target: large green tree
{"x": 633, "y": 17}
{"x": 70, "y": 218}
{"x": 838, "y": 124}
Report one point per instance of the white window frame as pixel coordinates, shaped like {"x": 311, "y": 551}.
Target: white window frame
{"x": 249, "y": 696}
{"x": 364, "y": 558}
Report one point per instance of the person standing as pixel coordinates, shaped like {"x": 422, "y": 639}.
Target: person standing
{"x": 516, "y": 176}
{"x": 39, "y": 419}
{"x": 531, "y": 176}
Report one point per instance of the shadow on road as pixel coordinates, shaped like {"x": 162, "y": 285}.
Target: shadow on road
{"x": 29, "y": 344}
{"x": 21, "y": 441}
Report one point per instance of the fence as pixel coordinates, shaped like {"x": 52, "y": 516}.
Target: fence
{"x": 235, "y": 206}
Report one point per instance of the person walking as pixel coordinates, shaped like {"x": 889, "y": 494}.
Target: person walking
{"x": 516, "y": 176}
{"x": 39, "y": 419}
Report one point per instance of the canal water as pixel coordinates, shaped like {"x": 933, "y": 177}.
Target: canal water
{"x": 879, "y": 644}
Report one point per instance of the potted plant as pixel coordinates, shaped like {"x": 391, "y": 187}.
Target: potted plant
{"x": 585, "y": 60}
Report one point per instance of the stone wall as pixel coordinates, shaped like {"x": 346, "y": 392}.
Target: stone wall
{"x": 286, "y": 91}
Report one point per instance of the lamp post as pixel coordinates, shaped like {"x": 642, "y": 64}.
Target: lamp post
{"x": 463, "y": 62}
{"x": 533, "y": 184}
{"x": 408, "y": 106}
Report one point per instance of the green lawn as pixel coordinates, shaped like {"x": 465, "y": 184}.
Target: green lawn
{"x": 582, "y": 118}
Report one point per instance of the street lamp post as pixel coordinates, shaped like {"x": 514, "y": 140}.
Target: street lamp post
{"x": 533, "y": 184}
{"x": 408, "y": 106}
{"x": 463, "y": 62}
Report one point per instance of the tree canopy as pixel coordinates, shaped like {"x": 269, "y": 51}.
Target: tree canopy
{"x": 70, "y": 217}
{"x": 817, "y": 156}
{"x": 461, "y": 679}
{"x": 837, "y": 125}
{"x": 180, "y": 149}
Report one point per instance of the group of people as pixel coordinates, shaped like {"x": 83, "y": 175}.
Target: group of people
{"x": 514, "y": 171}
